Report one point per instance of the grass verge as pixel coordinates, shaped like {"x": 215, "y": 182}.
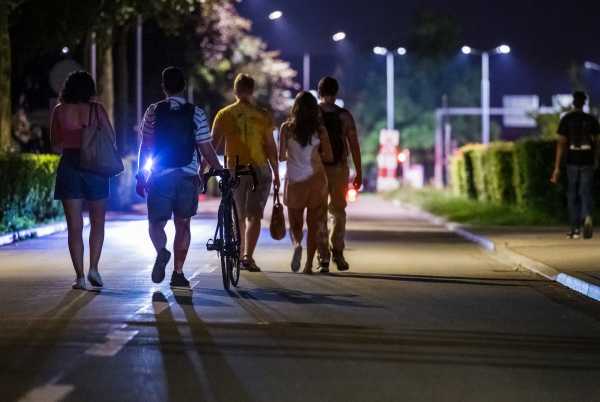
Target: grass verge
{"x": 464, "y": 210}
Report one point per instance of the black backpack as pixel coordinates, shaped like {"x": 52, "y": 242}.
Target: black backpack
{"x": 175, "y": 141}
{"x": 335, "y": 129}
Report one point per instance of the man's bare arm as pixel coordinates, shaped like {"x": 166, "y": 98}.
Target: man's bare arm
{"x": 354, "y": 144}
{"x": 209, "y": 155}
{"x": 561, "y": 145}
{"x": 218, "y": 133}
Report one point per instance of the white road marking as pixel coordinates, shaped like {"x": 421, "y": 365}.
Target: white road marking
{"x": 116, "y": 340}
{"x": 48, "y": 393}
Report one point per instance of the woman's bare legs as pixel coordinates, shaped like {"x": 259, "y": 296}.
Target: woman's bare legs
{"x": 97, "y": 220}
{"x": 73, "y": 214}
{"x": 296, "y": 218}
{"x": 313, "y": 221}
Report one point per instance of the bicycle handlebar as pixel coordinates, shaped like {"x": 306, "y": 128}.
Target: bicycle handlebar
{"x": 226, "y": 174}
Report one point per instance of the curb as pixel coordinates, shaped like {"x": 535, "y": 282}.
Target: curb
{"x": 39, "y": 231}
{"x": 503, "y": 254}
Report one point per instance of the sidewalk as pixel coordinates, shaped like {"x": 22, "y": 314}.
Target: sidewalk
{"x": 574, "y": 263}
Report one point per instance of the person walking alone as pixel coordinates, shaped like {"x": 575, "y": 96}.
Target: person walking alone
{"x": 344, "y": 143}
{"x": 247, "y": 131}
{"x": 74, "y": 186}
{"x": 578, "y": 139}
{"x": 174, "y": 133}
{"x": 304, "y": 144}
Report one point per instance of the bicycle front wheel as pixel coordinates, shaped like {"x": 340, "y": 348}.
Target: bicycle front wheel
{"x": 234, "y": 260}
{"x": 223, "y": 252}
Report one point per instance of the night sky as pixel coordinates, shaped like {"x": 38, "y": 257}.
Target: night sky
{"x": 546, "y": 36}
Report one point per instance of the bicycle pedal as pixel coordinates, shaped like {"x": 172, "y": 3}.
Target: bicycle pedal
{"x": 214, "y": 245}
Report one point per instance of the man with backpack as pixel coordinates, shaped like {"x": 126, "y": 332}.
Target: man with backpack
{"x": 578, "y": 139}
{"x": 343, "y": 137}
{"x": 174, "y": 134}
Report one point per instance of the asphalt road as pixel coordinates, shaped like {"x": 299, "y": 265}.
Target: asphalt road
{"x": 421, "y": 316}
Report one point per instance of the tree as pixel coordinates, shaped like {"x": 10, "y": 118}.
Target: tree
{"x": 224, "y": 47}
{"x": 5, "y": 69}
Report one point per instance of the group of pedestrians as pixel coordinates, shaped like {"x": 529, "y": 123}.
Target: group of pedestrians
{"x": 177, "y": 143}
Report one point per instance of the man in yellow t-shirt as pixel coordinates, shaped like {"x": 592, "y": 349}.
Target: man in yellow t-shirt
{"x": 247, "y": 131}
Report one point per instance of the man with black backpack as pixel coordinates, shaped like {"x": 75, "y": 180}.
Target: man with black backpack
{"x": 174, "y": 134}
{"x": 343, "y": 137}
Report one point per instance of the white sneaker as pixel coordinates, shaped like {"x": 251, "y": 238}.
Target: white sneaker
{"x": 79, "y": 284}
{"x": 95, "y": 278}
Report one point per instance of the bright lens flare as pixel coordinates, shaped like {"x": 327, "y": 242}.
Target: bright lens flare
{"x": 148, "y": 165}
{"x": 340, "y": 36}
{"x": 275, "y": 15}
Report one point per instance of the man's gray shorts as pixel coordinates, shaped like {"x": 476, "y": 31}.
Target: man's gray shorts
{"x": 172, "y": 194}
{"x": 252, "y": 204}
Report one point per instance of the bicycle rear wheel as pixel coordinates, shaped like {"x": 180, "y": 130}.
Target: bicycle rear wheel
{"x": 234, "y": 260}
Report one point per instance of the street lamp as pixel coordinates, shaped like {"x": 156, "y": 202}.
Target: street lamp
{"x": 485, "y": 85}
{"x": 382, "y": 51}
{"x": 591, "y": 66}
{"x": 339, "y": 36}
{"x": 275, "y": 15}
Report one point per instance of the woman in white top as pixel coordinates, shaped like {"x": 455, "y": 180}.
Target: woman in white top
{"x": 305, "y": 146}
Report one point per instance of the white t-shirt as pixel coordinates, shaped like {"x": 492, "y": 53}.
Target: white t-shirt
{"x": 300, "y": 159}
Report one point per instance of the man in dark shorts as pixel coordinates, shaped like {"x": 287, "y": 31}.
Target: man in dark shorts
{"x": 344, "y": 143}
{"x": 578, "y": 137}
{"x": 174, "y": 133}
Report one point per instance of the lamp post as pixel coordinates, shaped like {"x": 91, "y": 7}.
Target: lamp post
{"x": 485, "y": 85}
{"x": 390, "y": 72}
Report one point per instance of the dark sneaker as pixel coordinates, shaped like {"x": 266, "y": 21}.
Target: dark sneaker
{"x": 323, "y": 266}
{"x": 340, "y": 261}
{"x": 179, "y": 281}
{"x": 296, "y": 259}
{"x": 588, "y": 228}
{"x": 250, "y": 265}
{"x": 79, "y": 284}
{"x": 158, "y": 271}
{"x": 574, "y": 234}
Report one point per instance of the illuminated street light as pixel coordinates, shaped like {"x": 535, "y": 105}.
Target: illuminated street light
{"x": 591, "y": 66}
{"x": 275, "y": 15}
{"x": 340, "y": 36}
{"x": 65, "y": 50}
{"x": 380, "y": 51}
{"x": 485, "y": 85}
{"x": 503, "y": 49}
{"x": 401, "y": 51}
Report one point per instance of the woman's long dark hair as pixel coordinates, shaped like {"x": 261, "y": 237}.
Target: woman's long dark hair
{"x": 305, "y": 118}
{"x": 79, "y": 87}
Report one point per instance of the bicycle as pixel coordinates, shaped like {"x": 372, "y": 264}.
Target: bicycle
{"x": 226, "y": 241}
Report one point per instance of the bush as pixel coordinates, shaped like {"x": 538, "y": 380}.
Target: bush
{"x": 498, "y": 162}
{"x": 458, "y": 180}
{"x": 473, "y": 179}
{"x": 27, "y": 190}
{"x": 534, "y": 162}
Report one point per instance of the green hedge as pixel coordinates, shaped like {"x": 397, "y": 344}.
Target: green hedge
{"x": 510, "y": 174}
{"x": 27, "y": 190}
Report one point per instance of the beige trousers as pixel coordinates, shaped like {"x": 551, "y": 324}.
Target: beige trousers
{"x": 337, "y": 178}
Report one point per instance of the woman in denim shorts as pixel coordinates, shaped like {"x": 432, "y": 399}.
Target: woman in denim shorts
{"x": 73, "y": 184}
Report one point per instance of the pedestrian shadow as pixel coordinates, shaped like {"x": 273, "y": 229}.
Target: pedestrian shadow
{"x": 220, "y": 376}
{"x": 25, "y": 356}
{"x": 179, "y": 372}
{"x": 478, "y": 281}
{"x": 188, "y": 298}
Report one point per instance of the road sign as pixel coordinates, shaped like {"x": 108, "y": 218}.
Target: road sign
{"x": 387, "y": 160}
{"x": 523, "y": 107}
